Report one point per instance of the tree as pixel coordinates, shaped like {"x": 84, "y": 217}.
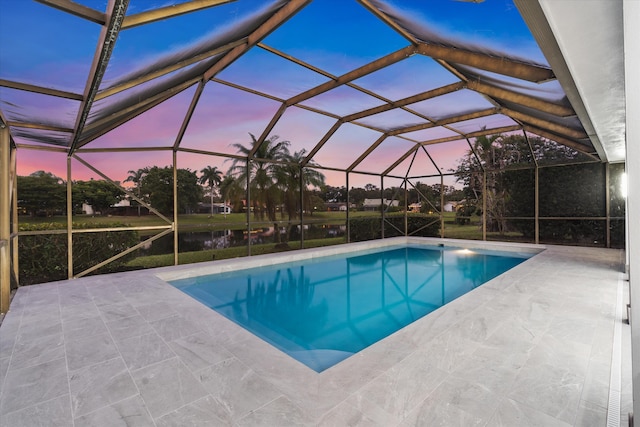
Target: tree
{"x": 211, "y": 176}
{"x": 136, "y": 177}
{"x": 232, "y": 191}
{"x": 510, "y": 187}
{"x": 262, "y": 175}
{"x": 495, "y": 152}
{"x": 289, "y": 182}
{"x": 99, "y": 194}
{"x": 357, "y": 196}
{"x": 334, "y": 194}
{"x": 41, "y": 193}
{"x": 157, "y": 189}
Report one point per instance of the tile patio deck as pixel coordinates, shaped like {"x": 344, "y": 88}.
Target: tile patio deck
{"x": 532, "y": 347}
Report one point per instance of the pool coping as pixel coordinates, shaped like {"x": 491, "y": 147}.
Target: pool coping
{"x": 214, "y": 267}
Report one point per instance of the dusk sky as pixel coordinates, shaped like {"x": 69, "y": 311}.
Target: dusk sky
{"x": 50, "y": 48}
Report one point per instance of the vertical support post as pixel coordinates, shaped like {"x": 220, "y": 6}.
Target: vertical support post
{"x": 348, "y": 202}
{"x": 537, "y": 205}
{"x": 175, "y": 208}
{"x": 484, "y": 205}
{"x": 441, "y": 205}
{"x": 248, "y": 195}
{"x": 5, "y": 223}
{"x": 14, "y": 213}
{"x": 301, "y": 207}
{"x": 607, "y": 202}
{"x": 406, "y": 209}
{"x": 69, "y": 220}
{"x": 382, "y": 205}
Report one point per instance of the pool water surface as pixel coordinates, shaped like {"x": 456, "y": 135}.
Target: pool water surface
{"x": 322, "y": 310}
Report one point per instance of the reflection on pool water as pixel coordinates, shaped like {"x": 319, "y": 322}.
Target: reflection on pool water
{"x": 323, "y": 310}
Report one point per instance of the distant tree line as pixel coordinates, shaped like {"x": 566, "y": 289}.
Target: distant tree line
{"x": 274, "y": 181}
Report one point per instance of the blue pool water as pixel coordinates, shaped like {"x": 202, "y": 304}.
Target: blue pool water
{"x": 324, "y": 310}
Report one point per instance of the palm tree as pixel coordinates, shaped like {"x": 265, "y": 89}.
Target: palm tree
{"x": 290, "y": 183}
{"x": 230, "y": 189}
{"x": 211, "y": 177}
{"x": 263, "y": 176}
{"x": 137, "y": 177}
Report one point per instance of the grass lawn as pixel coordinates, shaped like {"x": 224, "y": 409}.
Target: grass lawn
{"x": 234, "y": 221}
{"x": 226, "y": 253}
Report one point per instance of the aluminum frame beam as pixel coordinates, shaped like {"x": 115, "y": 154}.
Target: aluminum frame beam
{"x": 161, "y": 13}
{"x": 106, "y": 43}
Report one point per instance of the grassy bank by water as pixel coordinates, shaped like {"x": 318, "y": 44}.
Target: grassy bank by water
{"x": 152, "y": 261}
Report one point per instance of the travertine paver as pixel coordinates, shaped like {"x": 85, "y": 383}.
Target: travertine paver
{"x": 532, "y": 346}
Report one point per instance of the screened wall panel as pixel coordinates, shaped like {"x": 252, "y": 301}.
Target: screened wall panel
{"x": 510, "y": 205}
{"x": 578, "y": 232}
{"x": 573, "y": 191}
{"x": 617, "y": 206}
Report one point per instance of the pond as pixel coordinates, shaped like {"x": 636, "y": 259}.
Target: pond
{"x": 191, "y": 241}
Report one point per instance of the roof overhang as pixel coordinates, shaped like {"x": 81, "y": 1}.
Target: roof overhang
{"x": 583, "y": 42}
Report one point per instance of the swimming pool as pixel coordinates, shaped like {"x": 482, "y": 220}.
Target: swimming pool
{"x": 322, "y": 310}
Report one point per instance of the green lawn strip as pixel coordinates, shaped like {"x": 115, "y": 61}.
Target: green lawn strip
{"x": 191, "y": 219}
{"x": 152, "y": 261}
{"x": 469, "y": 232}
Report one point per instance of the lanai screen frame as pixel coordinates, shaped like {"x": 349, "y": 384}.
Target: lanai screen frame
{"x": 455, "y": 59}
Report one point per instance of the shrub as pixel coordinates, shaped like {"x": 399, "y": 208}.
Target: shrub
{"x": 464, "y": 212}
{"x": 369, "y": 228}
{"x": 43, "y": 257}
